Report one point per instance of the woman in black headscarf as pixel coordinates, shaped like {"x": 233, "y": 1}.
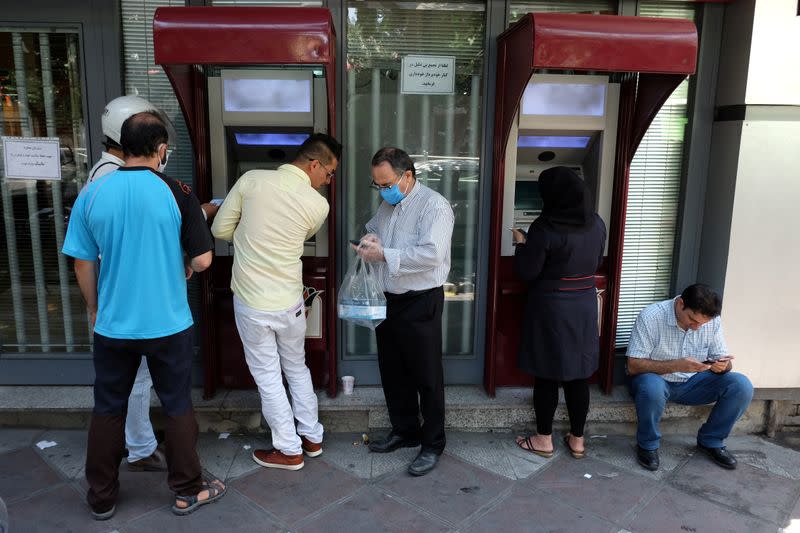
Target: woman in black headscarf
{"x": 560, "y": 340}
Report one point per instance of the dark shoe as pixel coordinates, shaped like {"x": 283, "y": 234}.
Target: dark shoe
{"x": 155, "y": 463}
{"x": 278, "y": 459}
{"x": 424, "y": 463}
{"x": 392, "y": 442}
{"x": 721, "y": 456}
{"x": 104, "y": 515}
{"x": 311, "y": 449}
{"x": 648, "y": 458}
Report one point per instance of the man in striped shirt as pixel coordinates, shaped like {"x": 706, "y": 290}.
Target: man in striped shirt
{"x": 408, "y": 241}
{"x": 677, "y": 353}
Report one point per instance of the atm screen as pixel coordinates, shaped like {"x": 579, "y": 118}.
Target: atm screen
{"x": 527, "y": 197}
{"x": 270, "y": 96}
{"x": 583, "y": 99}
{"x": 270, "y": 139}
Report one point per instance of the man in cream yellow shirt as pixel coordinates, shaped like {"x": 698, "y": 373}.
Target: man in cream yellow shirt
{"x": 269, "y": 214}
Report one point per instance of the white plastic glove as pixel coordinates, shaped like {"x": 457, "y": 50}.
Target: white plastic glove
{"x": 371, "y": 251}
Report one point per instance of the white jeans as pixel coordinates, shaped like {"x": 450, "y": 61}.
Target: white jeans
{"x": 275, "y": 341}
{"x": 139, "y": 437}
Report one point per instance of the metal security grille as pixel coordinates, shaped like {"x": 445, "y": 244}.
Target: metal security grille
{"x": 653, "y": 197}
{"x": 298, "y": 3}
{"x": 596, "y": 7}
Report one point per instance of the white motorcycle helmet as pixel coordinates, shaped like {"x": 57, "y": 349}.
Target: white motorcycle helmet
{"x": 120, "y": 109}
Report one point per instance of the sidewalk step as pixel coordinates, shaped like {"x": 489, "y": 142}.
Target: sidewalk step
{"x": 468, "y": 408}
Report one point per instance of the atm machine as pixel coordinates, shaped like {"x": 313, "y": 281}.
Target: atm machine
{"x": 579, "y": 91}
{"x": 253, "y": 83}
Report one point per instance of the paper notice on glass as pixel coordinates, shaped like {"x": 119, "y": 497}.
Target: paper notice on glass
{"x": 428, "y": 75}
{"x": 32, "y": 158}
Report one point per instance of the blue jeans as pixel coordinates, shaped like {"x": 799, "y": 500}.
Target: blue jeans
{"x": 731, "y": 391}
{"x": 139, "y": 437}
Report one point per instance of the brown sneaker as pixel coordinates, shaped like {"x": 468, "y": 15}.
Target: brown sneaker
{"x": 155, "y": 463}
{"x": 312, "y": 449}
{"x": 278, "y": 459}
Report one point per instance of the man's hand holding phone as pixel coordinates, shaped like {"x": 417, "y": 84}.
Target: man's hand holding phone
{"x": 720, "y": 365}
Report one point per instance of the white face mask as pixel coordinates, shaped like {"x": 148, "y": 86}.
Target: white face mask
{"x": 162, "y": 165}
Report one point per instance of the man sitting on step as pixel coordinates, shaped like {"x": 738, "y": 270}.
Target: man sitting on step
{"x": 677, "y": 353}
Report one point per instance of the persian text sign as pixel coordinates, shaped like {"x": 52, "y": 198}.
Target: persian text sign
{"x": 428, "y": 75}
{"x": 32, "y": 158}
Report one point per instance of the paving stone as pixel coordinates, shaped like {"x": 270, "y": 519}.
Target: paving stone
{"x": 620, "y": 451}
{"x": 339, "y": 450}
{"x": 292, "y": 496}
{"x": 24, "y": 473}
{"x": 69, "y": 455}
{"x": 747, "y": 489}
{"x": 388, "y": 463}
{"x": 534, "y": 512}
{"x": 496, "y": 452}
{"x": 243, "y": 463}
{"x": 373, "y": 510}
{"x": 61, "y": 510}
{"x": 524, "y": 464}
{"x": 765, "y": 454}
{"x": 610, "y": 492}
{"x": 226, "y": 458}
{"x": 139, "y": 493}
{"x": 672, "y": 510}
{"x": 454, "y": 490}
{"x": 233, "y": 512}
{"x": 14, "y": 439}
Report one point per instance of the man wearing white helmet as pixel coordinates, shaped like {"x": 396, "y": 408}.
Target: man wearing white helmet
{"x": 144, "y": 454}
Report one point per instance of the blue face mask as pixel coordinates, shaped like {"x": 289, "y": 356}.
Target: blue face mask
{"x": 393, "y": 195}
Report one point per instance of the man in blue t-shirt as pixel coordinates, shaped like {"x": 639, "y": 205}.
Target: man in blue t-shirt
{"x": 150, "y": 232}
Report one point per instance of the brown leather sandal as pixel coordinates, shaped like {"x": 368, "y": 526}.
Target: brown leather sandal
{"x": 576, "y": 454}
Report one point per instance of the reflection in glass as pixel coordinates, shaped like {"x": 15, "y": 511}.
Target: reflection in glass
{"x": 41, "y": 308}
{"x": 442, "y": 134}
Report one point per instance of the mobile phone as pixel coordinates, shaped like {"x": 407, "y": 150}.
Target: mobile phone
{"x": 216, "y": 201}
{"x": 355, "y": 242}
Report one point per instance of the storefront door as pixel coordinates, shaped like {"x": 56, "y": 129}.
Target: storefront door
{"x": 53, "y": 84}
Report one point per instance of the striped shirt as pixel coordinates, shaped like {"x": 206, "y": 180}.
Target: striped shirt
{"x": 657, "y": 336}
{"x": 416, "y": 236}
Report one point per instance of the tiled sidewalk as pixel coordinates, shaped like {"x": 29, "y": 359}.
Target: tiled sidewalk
{"x": 483, "y": 483}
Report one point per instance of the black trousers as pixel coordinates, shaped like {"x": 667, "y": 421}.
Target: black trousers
{"x": 545, "y": 401}
{"x": 410, "y": 361}
{"x": 116, "y": 361}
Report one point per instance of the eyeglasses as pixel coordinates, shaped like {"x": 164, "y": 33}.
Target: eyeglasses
{"x": 385, "y": 187}
{"x": 328, "y": 174}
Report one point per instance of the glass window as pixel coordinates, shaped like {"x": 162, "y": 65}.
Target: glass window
{"x": 517, "y": 9}
{"x": 653, "y": 196}
{"x": 442, "y": 132}
{"x": 41, "y": 309}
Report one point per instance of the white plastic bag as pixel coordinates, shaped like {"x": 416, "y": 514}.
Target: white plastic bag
{"x": 361, "y": 300}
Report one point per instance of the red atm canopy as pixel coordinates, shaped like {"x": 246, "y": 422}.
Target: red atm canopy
{"x": 602, "y": 43}
{"x": 243, "y": 35}
{"x": 661, "y": 51}
{"x": 188, "y": 36}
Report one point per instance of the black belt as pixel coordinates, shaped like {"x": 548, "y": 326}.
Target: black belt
{"x": 409, "y": 294}
{"x": 582, "y": 283}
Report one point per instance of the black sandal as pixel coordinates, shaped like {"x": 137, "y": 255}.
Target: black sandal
{"x": 530, "y": 448}
{"x": 192, "y": 503}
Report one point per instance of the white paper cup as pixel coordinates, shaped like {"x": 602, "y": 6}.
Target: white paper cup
{"x": 347, "y": 384}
